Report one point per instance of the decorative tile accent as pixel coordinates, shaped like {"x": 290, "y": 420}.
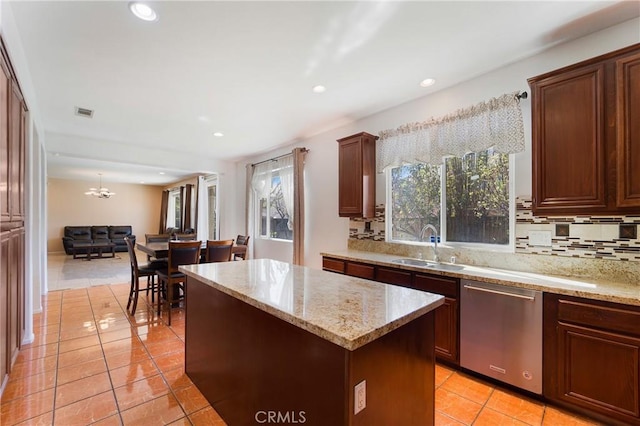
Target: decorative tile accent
{"x": 629, "y": 231}
{"x": 369, "y": 229}
{"x": 588, "y": 237}
{"x": 562, "y": 230}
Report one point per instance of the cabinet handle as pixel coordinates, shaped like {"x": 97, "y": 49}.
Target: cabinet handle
{"x": 502, "y": 293}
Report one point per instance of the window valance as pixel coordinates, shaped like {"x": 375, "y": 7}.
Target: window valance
{"x": 496, "y": 123}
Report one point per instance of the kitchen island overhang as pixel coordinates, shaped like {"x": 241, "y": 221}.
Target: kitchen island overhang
{"x": 268, "y": 341}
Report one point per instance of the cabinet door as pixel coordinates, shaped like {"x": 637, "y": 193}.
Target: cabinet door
{"x": 612, "y": 387}
{"x": 394, "y": 276}
{"x": 4, "y": 304}
{"x": 360, "y": 270}
{"x": 333, "y": 265}
{"x": 16, "y": 159}
{"x": 357, "y": 175}
{"x": 569, "y": 142}
{"x": 4, "y": 143}
{"x": 592, "y": 357}
{"x": 628, "y": 130}
{"x": 447, "y": 330}
{"x": 350, "y": 178}
{"x": 16, "y": 293}
{"x": 446, "y": 316}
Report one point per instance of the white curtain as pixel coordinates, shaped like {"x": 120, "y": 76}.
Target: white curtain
{"x": 202, "y": 226}
{"x": 261, "y": 179}
{"x": 298, "y": 158}
{"x": 285, "y": 169}
{"x": 496, "y": 124}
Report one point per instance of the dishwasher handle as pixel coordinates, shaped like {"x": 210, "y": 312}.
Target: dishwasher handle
{"x": 502, "y": 293}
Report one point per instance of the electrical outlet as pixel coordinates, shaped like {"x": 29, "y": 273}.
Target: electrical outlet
{"x": 540, "y": 238}
{"x": 360, "y": 397}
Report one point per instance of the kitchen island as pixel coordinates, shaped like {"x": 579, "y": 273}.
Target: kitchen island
{"x": 271, "y": 342}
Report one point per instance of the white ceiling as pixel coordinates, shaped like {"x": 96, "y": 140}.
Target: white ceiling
{"x": 247, "y": 68}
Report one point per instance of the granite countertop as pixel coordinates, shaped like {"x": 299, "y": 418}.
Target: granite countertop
{"x": 611, "y": 291}
{"x": 347, "y": 311}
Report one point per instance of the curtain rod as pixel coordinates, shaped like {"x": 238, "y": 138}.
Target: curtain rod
{"x": 277, "y": 158}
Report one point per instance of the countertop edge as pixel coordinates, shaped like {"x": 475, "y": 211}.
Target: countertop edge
{"x": 484, "y": 274}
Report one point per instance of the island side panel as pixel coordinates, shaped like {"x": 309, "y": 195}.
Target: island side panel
{"x": 248, "y": 363}
{"x": 399, "y": 369}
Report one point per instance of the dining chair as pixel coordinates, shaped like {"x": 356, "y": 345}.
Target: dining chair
{"x": 156, "y": 238}
{"x": 171, "y": 280}
{"x": 219, "y": 251}
{"x": 240, "y": 249}
{"x": 186, "y": 237}
{"x": 137, "y": 271}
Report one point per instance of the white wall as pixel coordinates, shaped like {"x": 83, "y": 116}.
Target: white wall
{"x": 325, "y": 231}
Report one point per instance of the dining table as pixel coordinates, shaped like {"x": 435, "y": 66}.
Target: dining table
{"x": 160, "y": 250}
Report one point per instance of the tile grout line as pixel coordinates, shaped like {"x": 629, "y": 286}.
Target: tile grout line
{"x": 152, "y": 358}
{"x": 104, "y": 356}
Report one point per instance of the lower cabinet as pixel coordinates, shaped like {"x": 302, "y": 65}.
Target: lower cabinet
{"x": 592, "y": 357}
{"x": 446, "y": 316}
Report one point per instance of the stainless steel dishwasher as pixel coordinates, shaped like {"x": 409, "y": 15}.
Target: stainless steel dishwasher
{"x": 501, "y": 333}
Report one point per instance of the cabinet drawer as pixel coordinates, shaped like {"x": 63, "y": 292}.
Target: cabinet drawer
{"x": 432, "y": 284}
{"x": 604, "y": 316}
{"x": 360, "y": 270}
{"x": 393, "y": 276}
{"x": 333, "y": 265}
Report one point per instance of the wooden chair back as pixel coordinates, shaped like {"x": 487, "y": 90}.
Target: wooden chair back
{"x": 183, "y": 253}
{"x": 219, "y": 251}
{"x": 157, "y": 238}
{"x": 186, "y": 237}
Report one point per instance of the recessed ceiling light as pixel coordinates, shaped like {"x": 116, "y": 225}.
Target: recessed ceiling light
{"x": 142, "y": 182}
{"x": 161, "y": 173}
{"x": 218, "y": 134}
{"x": 427, "y": 82}
{"x": 143, "y": 11}
{"x": 319, "y": 89}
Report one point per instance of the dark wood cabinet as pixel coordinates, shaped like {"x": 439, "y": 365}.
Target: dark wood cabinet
{"x": 4, "y": 305}
{"x": 628, "y": 126}
{"x": 447, "y": 316}
{"x": 592, "y": 357}
{"x": 5, "y": 155}
{"x": 17, "y": 155}
{"x": 357, "y": 175}
{"x": 585, "y": 138}
{"x": 12, "y": 216}
{"x": 360, "y": 270}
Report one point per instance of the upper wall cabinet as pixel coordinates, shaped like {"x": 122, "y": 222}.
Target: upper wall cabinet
{"x": 585, "y": 137}
{"x": 357, "y": 175}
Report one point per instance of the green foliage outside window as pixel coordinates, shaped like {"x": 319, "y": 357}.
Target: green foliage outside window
{"x": 476, "y": 199}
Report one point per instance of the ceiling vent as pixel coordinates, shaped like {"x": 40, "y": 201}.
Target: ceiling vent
{"x": 84, "y": 112}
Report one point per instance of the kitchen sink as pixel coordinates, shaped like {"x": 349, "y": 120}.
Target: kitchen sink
{"x": 414, "y": 262}
{"x": 427, "y": 264}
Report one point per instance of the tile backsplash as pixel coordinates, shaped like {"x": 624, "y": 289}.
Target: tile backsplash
{"x": 562, "y": 244}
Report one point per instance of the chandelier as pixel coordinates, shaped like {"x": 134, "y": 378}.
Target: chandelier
{"x": 100, "y": 192}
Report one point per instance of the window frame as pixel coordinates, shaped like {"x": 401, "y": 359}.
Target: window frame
{"x": 173, "y": 201}
{"x": 258, "y": 214}
{"x": 212, "y": 181}
{"x": 442, "y": 231}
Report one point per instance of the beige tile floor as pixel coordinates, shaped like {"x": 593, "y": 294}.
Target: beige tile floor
{"x": 92, "y": 363}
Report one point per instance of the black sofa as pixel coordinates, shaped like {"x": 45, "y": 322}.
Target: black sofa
{"x": 90, "y": 234}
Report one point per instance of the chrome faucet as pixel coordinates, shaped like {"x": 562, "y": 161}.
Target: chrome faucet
{"x": 434, "y": 232}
